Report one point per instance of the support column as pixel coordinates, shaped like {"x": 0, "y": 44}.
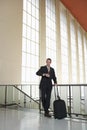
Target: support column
{"x": 77, "y": 53}
{"x": 58, "y": 40}
{"x": 42, "y": 32}
{"x": 83, "y": 55}
{"x": 86, "y": 80}
{"x": 69, "y": 49}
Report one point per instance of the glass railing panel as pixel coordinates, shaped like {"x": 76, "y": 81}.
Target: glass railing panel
{"x": 9, "y": 94}
{"x": 2, "y": 95}
{"x": 85, "y": 104}
{"x": 76, "y": 98}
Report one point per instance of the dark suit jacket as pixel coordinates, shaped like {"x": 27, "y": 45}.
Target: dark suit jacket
{"x": 46, "y": 81}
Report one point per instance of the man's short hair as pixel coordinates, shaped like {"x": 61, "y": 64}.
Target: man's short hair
{"x": 49, "y": 59}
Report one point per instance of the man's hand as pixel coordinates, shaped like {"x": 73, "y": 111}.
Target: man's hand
{"x": 55, "y": 84}
{"x": 46, "y": 74}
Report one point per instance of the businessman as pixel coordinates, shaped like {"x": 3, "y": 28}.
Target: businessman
{"x": 48, "y": 74}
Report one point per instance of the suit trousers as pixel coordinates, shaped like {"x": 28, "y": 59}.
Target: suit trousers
{"x": 45, "y": 96}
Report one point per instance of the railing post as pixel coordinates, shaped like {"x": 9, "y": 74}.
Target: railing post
{"x": 5, "y": 95}
{"x": 21, "y": 87}
{"x": 70, "y": 101}
{"x": 24, "y": 100}
{"x": 30, "y": 92}
{"x": 39, "y": 101}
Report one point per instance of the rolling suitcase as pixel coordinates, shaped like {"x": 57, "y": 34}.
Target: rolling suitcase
{"x": 59, "y": 106}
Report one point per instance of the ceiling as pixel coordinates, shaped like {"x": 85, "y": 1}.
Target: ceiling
{"x": 78, "y": 9}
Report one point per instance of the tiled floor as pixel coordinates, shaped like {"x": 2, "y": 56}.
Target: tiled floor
{"x": 31, "y": 120}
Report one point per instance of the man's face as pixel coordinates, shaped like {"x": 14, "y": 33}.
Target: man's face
{"x": 48, "y": 62}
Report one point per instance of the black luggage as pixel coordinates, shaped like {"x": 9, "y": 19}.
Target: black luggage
{"x": 59, "y": 107}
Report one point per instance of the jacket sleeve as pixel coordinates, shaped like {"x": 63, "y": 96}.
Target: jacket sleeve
{"x": 40, "y": 72}
{"x": 54, "y": 77}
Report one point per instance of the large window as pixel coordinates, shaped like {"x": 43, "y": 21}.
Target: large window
{"x": 73, "y": 51}
{"x": 85, "y": 56}
{"x": 80, "y": 55}
{"x": 64, "y": 45}
{"x": 30, "y": 44}
{"x": 51, "y": 31}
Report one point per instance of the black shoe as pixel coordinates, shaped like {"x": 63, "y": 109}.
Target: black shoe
{"x": 47, "y": 115}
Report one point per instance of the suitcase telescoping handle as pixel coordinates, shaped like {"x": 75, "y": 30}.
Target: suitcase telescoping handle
{"x": 56, "y": 93}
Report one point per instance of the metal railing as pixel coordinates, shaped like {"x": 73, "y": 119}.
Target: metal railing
{"x": 26, "y": 94}
{"x": 15, "y": 95}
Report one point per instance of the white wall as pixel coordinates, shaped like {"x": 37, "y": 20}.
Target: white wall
{"x": 10, "y": 41}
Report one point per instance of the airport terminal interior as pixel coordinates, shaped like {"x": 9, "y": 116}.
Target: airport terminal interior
{"x": 30, "y": 32}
